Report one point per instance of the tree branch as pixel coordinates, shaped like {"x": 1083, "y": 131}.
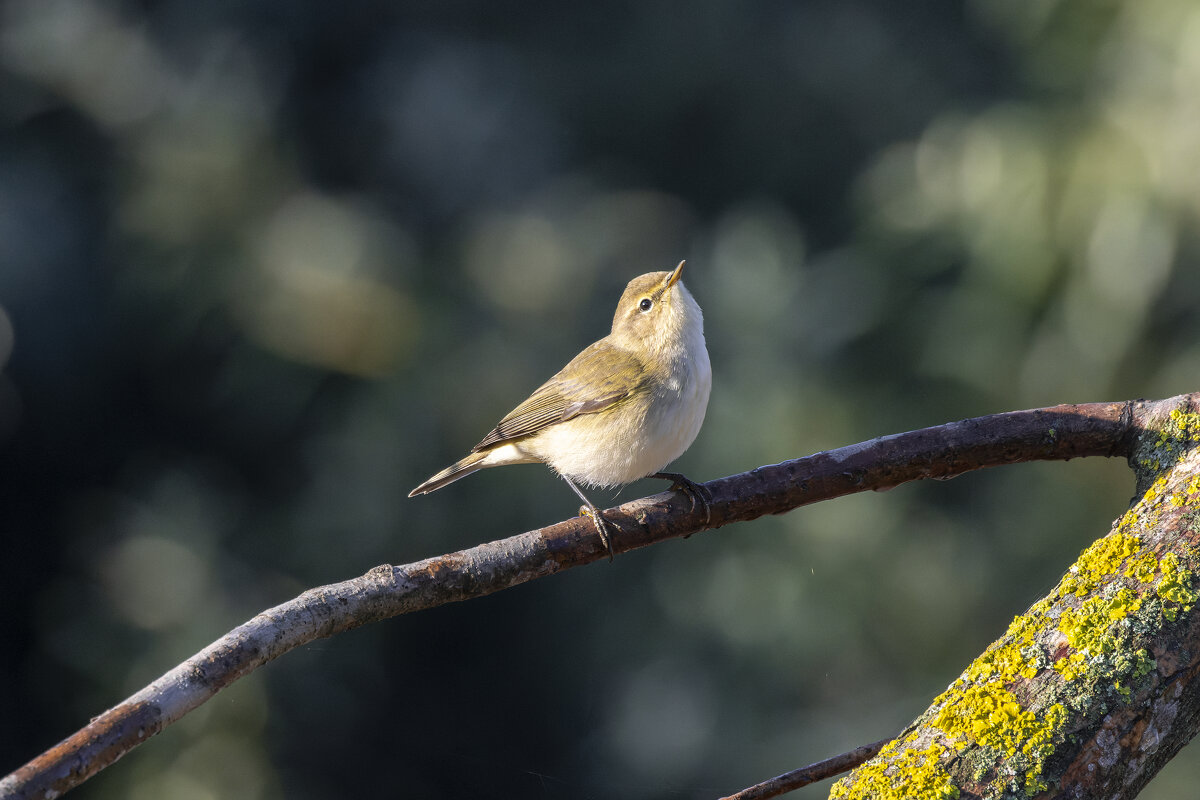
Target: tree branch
{"x": 799, "y": 778}
{"x": 1060, "y": 432}
{"x": 1094, "y": 688}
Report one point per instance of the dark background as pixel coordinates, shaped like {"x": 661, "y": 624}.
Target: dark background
{"x": 264, "y": 266}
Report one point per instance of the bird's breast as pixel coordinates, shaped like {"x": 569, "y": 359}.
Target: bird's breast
{"x": 639, "y": 435}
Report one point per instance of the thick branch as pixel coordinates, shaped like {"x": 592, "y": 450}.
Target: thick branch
{"x": 1060, "y": 432}
{"x": 1094, "y": 688}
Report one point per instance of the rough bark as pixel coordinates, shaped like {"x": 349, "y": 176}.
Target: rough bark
{"x": 1093, "y": 689}
{"x": 1060, "y": 432}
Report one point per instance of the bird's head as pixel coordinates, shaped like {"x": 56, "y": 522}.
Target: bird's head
{"x": 657, "y": 314}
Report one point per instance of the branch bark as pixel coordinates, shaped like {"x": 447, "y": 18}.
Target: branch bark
{"x": 799, "y": 778}
{"x": 1092, "y": 690}
{"x": 1060, "y": 432}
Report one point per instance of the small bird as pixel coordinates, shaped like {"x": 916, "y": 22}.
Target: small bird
{"x": 623, "y": 409}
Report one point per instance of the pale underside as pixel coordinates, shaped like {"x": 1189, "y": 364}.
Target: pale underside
{"x": 624, "y": 408}
{"x": 649, "y": 422}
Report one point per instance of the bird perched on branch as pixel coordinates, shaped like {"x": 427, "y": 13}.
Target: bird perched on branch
{"x": 623, "y": 409}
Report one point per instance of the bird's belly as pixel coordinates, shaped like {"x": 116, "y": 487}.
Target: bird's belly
{"x": 631, "y": 441}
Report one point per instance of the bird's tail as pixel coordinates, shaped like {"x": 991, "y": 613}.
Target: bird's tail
{"x": 459, "y": 469}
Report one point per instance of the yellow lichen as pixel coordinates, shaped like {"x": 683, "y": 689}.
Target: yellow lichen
{"x": 1087, "y": 629}
{"x": 1100, "y": 560}
{"x": 1072, "y": 667}
{"x": 1180, "y": 431}
{"x": 1097, "y": 631}
{"x": 1155, "y": 492}
{"x": 1175, "y": 586}
{"x": 980, "y": 709}
{"x": 1143, "y": 567}
{"x": 1117, "y": 590}
{"x": 990, "y": 715}
{"x": 1184, "y": 426}
{"x": 1104, "y": 558}
{"x": 900, "y": 775}
{"x": 1007, "y": 656}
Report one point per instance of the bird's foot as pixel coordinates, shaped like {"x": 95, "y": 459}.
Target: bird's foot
{"x": 602, "y": 526}
{"x": 698, "y": 493}
{"x": 588, "y": 509}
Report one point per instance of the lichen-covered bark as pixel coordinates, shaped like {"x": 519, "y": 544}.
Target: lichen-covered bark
{"x": 1092, "y": 690}
{"x": 1056, "y": 433}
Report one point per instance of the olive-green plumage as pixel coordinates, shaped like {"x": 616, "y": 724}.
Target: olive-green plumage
{"x": 623, "y": 409}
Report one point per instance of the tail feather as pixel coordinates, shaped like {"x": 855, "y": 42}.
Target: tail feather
{"x": 459, "y": 469}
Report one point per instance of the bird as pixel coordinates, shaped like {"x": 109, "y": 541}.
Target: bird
{"x": 623, "y": 409}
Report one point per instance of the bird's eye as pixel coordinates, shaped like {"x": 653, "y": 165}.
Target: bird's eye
{"x": 646, "y": 304}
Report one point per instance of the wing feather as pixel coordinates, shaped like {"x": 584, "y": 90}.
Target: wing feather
{"x": 598, "y": 378}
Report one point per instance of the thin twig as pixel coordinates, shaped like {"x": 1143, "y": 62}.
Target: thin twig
{"x": 790, "y": 781}
{"x": 1060, "y": 432}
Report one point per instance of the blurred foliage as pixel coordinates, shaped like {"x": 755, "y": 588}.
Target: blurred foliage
{"x": 265, "y": 266}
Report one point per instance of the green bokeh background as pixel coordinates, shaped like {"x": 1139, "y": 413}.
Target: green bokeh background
{"x": 264, "y": 266}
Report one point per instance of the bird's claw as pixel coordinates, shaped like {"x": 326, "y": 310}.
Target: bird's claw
{"x": 698, "y": 492}
{"x": 602, "y": 526}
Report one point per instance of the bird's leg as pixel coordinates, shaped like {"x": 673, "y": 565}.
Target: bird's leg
{"x": 587, "y": 509}
{"x": 696, "y": 491}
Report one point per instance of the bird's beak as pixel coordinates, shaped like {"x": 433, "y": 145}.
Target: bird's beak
{"x": 673, "y": 278}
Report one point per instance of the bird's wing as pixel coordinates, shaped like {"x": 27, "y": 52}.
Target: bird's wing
{"x": 599, "y": 377}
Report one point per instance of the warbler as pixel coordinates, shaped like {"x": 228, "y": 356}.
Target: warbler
{"x": 623, "y": 409}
